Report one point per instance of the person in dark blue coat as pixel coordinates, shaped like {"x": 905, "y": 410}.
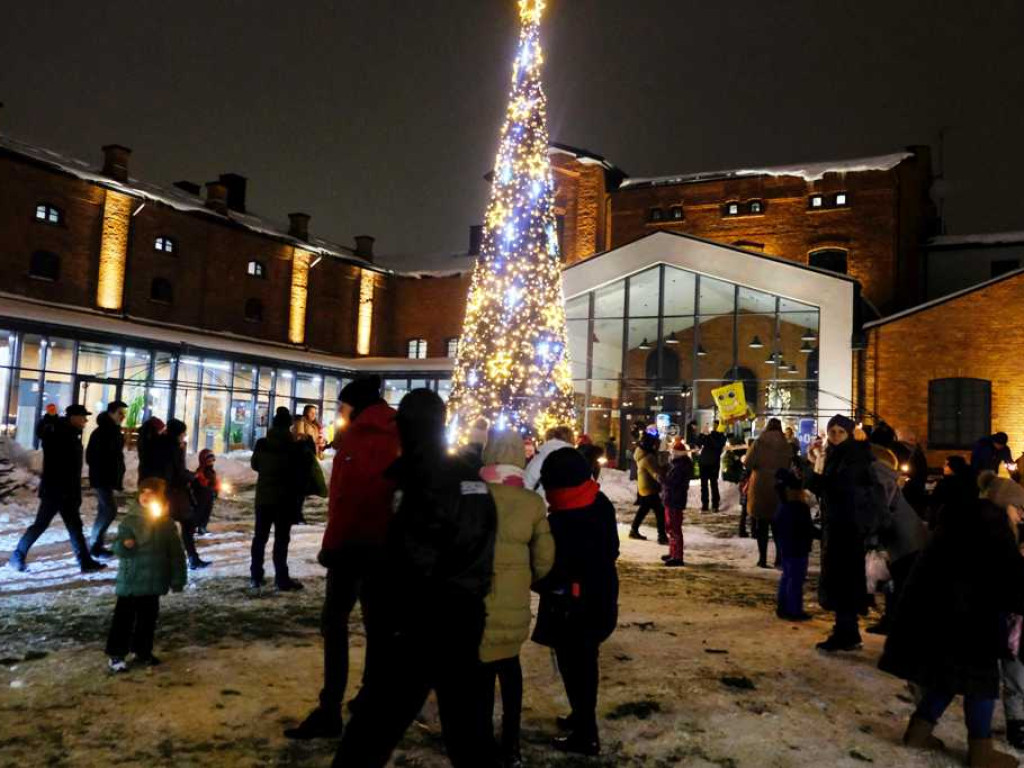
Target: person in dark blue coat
{"x": 676, "y": 492}
{"x": 794, "y": 536}
{"x": 989, "y": 452}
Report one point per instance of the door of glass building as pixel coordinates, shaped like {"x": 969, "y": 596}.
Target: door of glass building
{"x": 95, "y": 394}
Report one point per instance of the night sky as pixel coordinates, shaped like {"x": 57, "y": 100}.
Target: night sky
{"x": 381, "y": 116}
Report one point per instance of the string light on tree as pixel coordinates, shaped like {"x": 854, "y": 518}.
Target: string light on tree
{"x": 512, "y": 363}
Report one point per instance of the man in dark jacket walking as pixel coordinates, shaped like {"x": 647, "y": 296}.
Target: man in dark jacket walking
{"x": 359, "y": 508}
{"x": 712, "y": 444}
{"x": 60, "y": 489}
{"x": 439, "y": 561}
{"x": 105, "y": 456}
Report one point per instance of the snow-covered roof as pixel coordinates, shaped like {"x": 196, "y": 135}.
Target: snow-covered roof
{"x": 582, "y": 156}
{"x": 807, "y": 171}
{"x": 136, "y": 330}
{"x": 176, "y": 198}
{"x": 990, "y": 238}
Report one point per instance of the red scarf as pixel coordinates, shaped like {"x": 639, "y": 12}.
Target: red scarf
{"x": 572, "y": 498}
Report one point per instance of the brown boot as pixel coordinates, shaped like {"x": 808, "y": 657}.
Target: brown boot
{"x": 981, "y": 753}
{"x": 920, "y": 735}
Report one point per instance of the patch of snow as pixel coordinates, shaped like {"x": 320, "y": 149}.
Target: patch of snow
{"x": 989, "y": 238}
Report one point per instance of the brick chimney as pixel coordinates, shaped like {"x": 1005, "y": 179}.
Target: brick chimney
{"x": 189, "y": 186}
{"x": 217, "y": 196}
{"x": 298, "y": 225}
{"x": 235, "y": 186}
{"x": 115, "y": 162}
{"x": 364, "y": 246}
{"x": 476, "y": 239}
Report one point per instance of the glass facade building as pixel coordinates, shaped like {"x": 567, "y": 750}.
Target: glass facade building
{"x": 652, "y": 346}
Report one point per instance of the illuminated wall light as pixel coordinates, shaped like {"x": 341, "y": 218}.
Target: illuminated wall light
{"x": 117, "y": 213}
{"x": 299, "y": 295}
{"x": 364, "y": 327}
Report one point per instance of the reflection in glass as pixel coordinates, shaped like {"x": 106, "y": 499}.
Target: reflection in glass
{"x": 643, "y": 293}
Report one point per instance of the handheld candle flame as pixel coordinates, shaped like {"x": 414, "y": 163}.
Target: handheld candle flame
{"x": 156, "y": 509}
{"x": 226, "y": 487}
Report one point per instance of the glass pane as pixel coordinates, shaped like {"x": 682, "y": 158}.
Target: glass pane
{"x": 59, "y": 354}
{"x": 100, "y": 360}
{"x": 395, "y": 390}
{"x": 444, "y": 389}
{"x": 703, "y": 399}
{"x": 756, "y": 302}
{"x": 419, "y": 384}
{"x": 136, "y": 365}
{"x": 332, "y": 390}
{"x": 714, "y": 350}
{"x": 163, "y": 368}
{"x": 283, "y": 391}
{"x": 7, "y": 342}
{"x": 136, "y": 396}
{"x": 95, "y": 395}
{"x": 578, "y": 347}
{"x": 212, "y": 413}
{"x": 266, "y": 384}
{"x": 678, "y": 339}
{"x": 578, "y": 308}
{"x": 604, "y": 393}
{"x": 680, "y": 291}
{"x": 610, "y": 301}
{"x": 24, "y": 401}
{"x": 643, "y": 294}
{"x": 159, "y": 402}
{"x": 246, "y": 377}
{"x": 716, "y": 297}
{"x": 216, "y": 375}
{"x": 32, "y": 350}
{"x": 788, "y": 305}
{"x": 642, "y": 340}
{"x": 579, "y": 399}
{"x": 57, "y": 390}
{"x": 307, "y": 388}
{"x": 607, "y": 349}
{"x": 241, "y": 421}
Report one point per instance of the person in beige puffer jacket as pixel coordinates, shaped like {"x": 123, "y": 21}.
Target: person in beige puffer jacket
{"x": 524, "y": 552}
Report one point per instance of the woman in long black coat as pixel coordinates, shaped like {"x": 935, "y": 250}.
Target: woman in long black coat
{"x": 850, "y": 506}
{"x": 580, "y": 596}
{"x": 949, "y": 632}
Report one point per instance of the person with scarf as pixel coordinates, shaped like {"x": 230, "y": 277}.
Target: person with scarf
{"x": 438, "y": 561}
{"x": 579, "y": 597}
{"x": 950, "y": 633}
{"x": 524, "y": 552}
{"x": 850, "y": 508}
{"x": 205, "y": 489}
{"x": 358, "y": 512}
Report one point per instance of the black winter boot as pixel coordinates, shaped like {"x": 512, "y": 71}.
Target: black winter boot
{"x": 1015, "y": 734}
{"x": 320, "y": 724}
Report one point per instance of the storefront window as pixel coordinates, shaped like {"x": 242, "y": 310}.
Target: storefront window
{"x": 284, "y": 387}
{"x": 578, "y": 347}
{"x": 606, "y": 349}
{"x": 680, "y": 291}
{"x": 444, "y": 389}
{"x": 395, "y": 390}
{"x": 186, "y": 402}
{"x": 7, "y": 344}
{"x": 610, "y": 301}
{"x": 214, "y": 405}
{"x": 102, "y": 361}
{"x": 644, "y": 292}
{"x": 25, "y": 406}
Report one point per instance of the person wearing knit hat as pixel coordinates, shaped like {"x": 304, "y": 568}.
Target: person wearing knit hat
{"x": 649, "y": 474}
{"x": 676, "y": 493}
{"x": 358, "y": 512}
{"x": 846, "y": 488}
{"x": 950, "y": 634}
{"x": 579, "y": 597}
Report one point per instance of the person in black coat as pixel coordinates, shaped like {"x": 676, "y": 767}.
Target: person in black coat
{"x": 60, "y": 489}
{"x": 151, "y": 450}
{"x": 851, "y": 504}
{"x": 710, "y": 463}
{"x": 989, "y": 452}
{"x": 579, "y": 600}
{"x": 105, "y": 456}
{"x": 949, "y": 633}
{"x": 794, "y": 536}
{"x": 167, "y": 457}
{"x": 438, "y": 563}
{"x": 955, "y": 490}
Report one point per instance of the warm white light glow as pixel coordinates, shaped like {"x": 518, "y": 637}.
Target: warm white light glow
{"x": 299, "y": 295}
{"x": 364, "y": 327}
{"x": 156, "y": 509}
{"x": 117, "y": 213}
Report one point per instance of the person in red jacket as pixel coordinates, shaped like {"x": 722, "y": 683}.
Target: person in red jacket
{"x": 359, "y": 510}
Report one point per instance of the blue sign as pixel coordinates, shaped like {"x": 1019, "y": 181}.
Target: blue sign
{"x": 808, "y": 432}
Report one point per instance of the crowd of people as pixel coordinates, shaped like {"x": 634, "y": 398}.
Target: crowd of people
{"x": 442, "y": 550}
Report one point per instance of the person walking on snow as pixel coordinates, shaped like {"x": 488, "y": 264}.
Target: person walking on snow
{"x": 676, "y": 495}
{"x": 770, "y": 453}
{"x": 524, "y": 552}
{"x": 105, "y": 456}
{"x": 359, "y": 509}
{"x": 555, "y": 439}
{"x": 649, "y": 474}
{"x": 150, "y": 563}
{"x": 439, "y": 560}
{"x": 60, "y": 489}
{"x": 711, "y": 443}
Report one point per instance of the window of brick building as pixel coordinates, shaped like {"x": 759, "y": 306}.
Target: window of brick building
{"x": 44, "y": 266}
{"x": 254, "y": 310}
{"x": 1003, "y": 266}
{"x": 166, "y": 245}
{"x": 756, "y": 207}
{"x": 731, "y": 209}
{"x": 655, "y": 214}
{"x": 675, "y": 213}
{"x": 256, "y": 269}
{"x": 452, "y": 346}
{"x": 959, "y": 412}
{"x": 841, "y": 200}
{"x": 161, "y": 290}
{"x": 48, "y": 213}
{"x": 832, "y": 259}
{"x": 817, "y": 201}
{"x": 417, "y": 349}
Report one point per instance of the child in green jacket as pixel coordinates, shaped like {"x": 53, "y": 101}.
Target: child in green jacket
{"x": 151, "y": 561}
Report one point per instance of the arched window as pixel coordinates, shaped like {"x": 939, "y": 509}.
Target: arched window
{"x": 655, "y": 214}
{"x": 161, "y": 290}
{"x": 254, "y": 310}
{"x": 452, "y": 346}
{"x": 257, "y": 269}
{"x": 166, "y": 245}
{"x": 417, "y": 349}
{"x": 44, "y": 266}
{"x": 832, "y": 259}
{"x": 959, "y": 412}
{"x": 50, "y": 214}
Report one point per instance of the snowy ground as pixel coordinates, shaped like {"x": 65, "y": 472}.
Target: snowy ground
{"x": 699, "y": 673}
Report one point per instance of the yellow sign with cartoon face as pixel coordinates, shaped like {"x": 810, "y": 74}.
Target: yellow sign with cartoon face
{"x": 731, "y": 401}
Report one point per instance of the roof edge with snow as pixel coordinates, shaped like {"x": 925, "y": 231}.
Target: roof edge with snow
{"x": 985, "y": 239}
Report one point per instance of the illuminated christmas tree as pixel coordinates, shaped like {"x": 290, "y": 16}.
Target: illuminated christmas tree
{"x": 512, "y": 365}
